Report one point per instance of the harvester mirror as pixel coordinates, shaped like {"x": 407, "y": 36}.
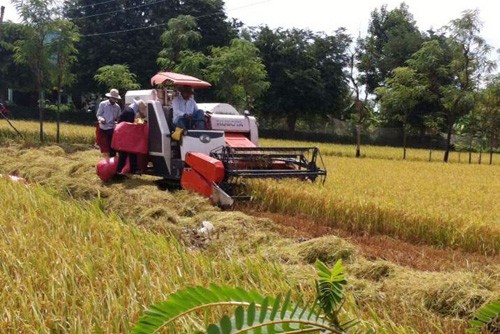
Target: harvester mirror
{"x": 246, "y": 113}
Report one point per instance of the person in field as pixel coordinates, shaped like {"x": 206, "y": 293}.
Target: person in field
{"x": 131, "y": 114}
{"x": 186, "y": 112}
{"x": 140, "y": 108}
{"x": 107, "y": 116}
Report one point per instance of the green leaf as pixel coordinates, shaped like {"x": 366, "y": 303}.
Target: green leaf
{"x": 213, "y": 329}
{"x": 285, "y": 305}
{"x": 239, "y": 315}
{"x": 484, "y": 317}
{"x": 185, "y": 301}
{"x": 225, "y": 325}
{"x": 330, "y": 286}
{"x": 276, "y": 306}
{"x": 264, "y": 309}
{"x": 291, "y": 322}
{"x": 251, "y": 314}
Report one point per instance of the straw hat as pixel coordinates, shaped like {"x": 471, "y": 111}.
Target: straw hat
{"x": 114, "y": 94}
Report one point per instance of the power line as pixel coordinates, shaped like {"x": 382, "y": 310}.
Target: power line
{"x": 163, "y": 24}
{"x": 125, "y": 30}
{"x": 94, "y": 4}
{"x": 116, "y": 11}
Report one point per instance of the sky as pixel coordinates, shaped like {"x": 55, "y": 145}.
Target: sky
{"x": 329, "y": 15}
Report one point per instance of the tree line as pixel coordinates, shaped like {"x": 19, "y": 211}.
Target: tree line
{"x": 424, "y": 82}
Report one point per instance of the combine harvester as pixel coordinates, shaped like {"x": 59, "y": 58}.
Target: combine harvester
{"x": 214, "y": 161}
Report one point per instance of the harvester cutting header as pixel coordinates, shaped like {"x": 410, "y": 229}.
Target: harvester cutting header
{"x": 218, "y": 154}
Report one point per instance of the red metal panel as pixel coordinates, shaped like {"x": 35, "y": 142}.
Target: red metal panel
{"x": 193, "y": 181}
{"x": 210, "y": 168}
{"x": 237, "y": 140}
{"x": 131, "y": 138}
{"x": 178, "y": 79}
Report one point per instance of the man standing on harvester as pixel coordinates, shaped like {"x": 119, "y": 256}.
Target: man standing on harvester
{"x": 186, "y": 112}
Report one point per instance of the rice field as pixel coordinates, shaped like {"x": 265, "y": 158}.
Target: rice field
{"x": 447, "y": 205}
{"x": 80, "y": 134}
{"x": 77, "y": 255}
{"x": 69, "y": 133}
{"x": 387, "y": 152}
{"x": 67, "y": 267}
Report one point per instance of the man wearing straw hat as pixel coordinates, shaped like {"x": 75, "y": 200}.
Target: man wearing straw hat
{"x": 107, "y": 115}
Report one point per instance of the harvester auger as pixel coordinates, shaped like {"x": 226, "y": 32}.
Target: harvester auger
{"x": 216, "y": 160}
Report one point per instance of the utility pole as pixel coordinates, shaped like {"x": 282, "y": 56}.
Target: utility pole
{"x": 2, "y": 10}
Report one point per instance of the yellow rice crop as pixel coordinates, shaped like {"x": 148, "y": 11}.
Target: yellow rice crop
{"x": 69, "y": 133}
{"x": 67, "y": 267}
{"x": 440, "y": 204}
{"x": 82, "y": 134}
{"x": 77, "y": 255}
{"x": 385, "y": 152}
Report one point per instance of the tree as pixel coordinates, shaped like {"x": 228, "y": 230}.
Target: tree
{"x": 128, "y": 32}
{"x": 238, "y": 73}
{"x": 469, "y": 126}
{"x": 399, "y": 98}
{"x": 469, "y": 63}
{"x": 12, "y": 75}
{"x": 360, "y": 112}
{"x": 331, "y": 55}
{"x": 63, "y": 51}
{"x": 392, "y": 38}
{"x": 32, "y": 50}
{"x": 192, "y": 63}
{"x": 433, "y": 124}
{"x": 180, "y": 36}
{"x": 116, "y": 76}
{"x": 489, "y": 111}
{"x": 431, "y": 62}
{"x": 305, "y": 70}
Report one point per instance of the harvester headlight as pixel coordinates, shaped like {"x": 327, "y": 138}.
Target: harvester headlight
{"x": 205, "y": 139}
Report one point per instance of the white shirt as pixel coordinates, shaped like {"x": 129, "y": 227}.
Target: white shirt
{"x": 110, "y": 113}
{"x": 135, "y": 106}
{"x": 182, "y": 107}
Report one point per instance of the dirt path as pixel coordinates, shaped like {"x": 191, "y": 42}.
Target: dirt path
{"x": 420, "y": 257}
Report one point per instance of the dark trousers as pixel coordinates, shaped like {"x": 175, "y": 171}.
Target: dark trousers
{"x": 104, "y": 139}
{"x": 122, "y": 160}
{"x": 195, "y": 121}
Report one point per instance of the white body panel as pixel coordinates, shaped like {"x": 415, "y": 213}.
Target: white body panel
{"x": 218, "y": 108}
{"x": 145, "y": 95}
{"x": 201, "y": 141}
{"x": 236, "y": 123}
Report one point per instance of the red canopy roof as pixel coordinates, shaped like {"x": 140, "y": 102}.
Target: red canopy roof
{"x": 178, "y": 80}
